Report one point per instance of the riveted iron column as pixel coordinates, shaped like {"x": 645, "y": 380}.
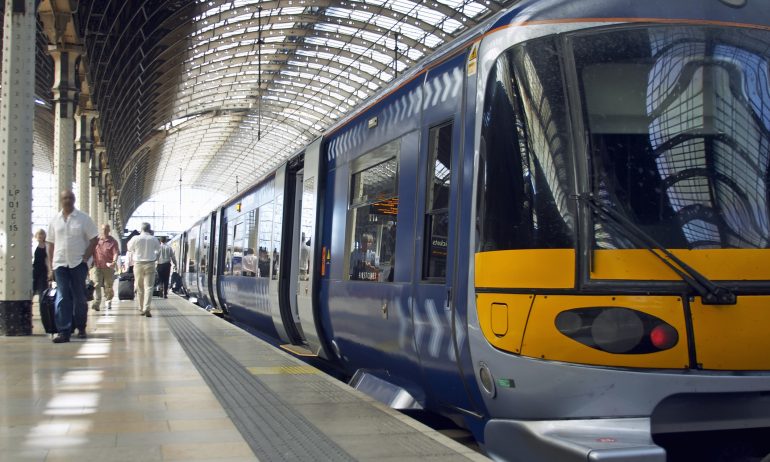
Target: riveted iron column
{"x": 16, "y": 115}
{"x": 83, "y": 143}
{"x": 98, "y": 151}
{"x": 64, "y": 90}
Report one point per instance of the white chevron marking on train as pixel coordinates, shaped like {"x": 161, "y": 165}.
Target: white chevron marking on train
{"x": 428, "y": 95}
{"x": 457, "y": 77}
{"x": 447, "y": 81}
{"x": 436, "y": 91}
{"x": 437, "y": 330}
{"x": 419, "y": 325}
{"x": 403, "y": 324}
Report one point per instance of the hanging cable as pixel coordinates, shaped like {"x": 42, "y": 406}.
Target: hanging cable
{"x": 395, "y": 56}
{"x": 259, "y": 73}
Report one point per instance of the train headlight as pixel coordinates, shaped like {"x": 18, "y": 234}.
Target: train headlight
{"x": 617, "y": 330}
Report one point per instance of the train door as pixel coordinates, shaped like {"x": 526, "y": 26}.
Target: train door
{"x": 438, "y": 333}
{"x": 217, "y": 257}
{"x": 181, "y": 259}
{"x": 204, "y": 259}
{"x": 191, "y": 254}
{"x": 305, "y": 250}
{"x": 285, "y": 319}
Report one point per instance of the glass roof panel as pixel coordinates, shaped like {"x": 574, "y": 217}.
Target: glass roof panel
{"x": 258, "y": 84}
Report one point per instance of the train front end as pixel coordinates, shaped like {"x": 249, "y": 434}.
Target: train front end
{"x": 621, "y": 283}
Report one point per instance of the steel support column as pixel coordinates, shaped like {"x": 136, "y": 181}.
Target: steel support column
{"x": 17, "y": 112}
{"x": 64, "y": 90}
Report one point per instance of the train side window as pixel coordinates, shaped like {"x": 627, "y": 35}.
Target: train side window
{"x": 373, "y": 214}
{"x": 437, "y": 202}
{"x": 250, "y": 229}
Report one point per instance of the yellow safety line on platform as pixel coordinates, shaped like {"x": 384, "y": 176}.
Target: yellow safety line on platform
{"x": 277, "y": 370}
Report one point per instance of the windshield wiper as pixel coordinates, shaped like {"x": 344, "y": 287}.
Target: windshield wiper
{"x": 711, "y": 293}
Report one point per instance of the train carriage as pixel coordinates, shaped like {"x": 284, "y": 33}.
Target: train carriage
{"x": 554, "y": 231}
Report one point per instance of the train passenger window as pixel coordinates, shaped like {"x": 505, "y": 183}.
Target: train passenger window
{"x": 525, "y": 176}
{"x": 437, "y": 202}
{"x": 249, "y": 260}
{"x": 373, "y": 216}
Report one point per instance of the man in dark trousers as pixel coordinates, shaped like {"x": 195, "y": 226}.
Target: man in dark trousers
{"x": 165, "y": 258}
{"x": 72, "y": 237}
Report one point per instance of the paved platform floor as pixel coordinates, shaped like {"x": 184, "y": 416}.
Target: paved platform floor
{"x": 134, "y": 391}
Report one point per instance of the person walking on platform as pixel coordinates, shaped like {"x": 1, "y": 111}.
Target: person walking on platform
{"x": 165, "y": 258}
{"x": 144, "y": 248}
{"x": 103, "y": 273}
{"x": 40, "y": 268}
{"x": 71, "y": 239}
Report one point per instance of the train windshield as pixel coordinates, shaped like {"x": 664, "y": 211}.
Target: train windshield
{"x": 678, "y": 122}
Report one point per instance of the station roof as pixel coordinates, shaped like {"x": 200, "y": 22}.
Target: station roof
{"x": 226, "y": 90}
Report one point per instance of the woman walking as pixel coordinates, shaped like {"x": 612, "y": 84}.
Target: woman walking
{"x": 40, "y": 265}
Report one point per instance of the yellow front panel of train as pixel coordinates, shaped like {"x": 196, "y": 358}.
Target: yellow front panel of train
{"x": 503, "y": 317}
{"x": 527, "y": 268}
{"x": 733, "y": 337}
{"x": 543, "y": 340}
{"x": 715, "y": 264}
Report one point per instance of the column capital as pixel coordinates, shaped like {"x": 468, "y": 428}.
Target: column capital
{"x": 56, "y": 51}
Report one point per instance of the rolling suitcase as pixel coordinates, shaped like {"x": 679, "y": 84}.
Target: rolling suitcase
{"x": 126, "y": 287}
{"x": 90, "y": 288}
{"x": 48, "y": 310}
{"x": 157, "y": 290}
{"x": 176, "y": 282}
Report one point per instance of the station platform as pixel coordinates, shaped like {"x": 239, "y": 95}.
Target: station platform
{"x": 187, "y": 385}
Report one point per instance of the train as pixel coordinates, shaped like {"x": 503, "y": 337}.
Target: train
{"x": 553, "y": 231}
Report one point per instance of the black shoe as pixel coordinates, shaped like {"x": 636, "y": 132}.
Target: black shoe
{"x": 148, "y": 314}
{"x": 82, "y": 333}
{"x": 61, "y": 338}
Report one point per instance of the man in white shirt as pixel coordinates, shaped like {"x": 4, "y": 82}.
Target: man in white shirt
{"x": 165, "y": 258}
{"x": 72, "y": 236}
{"x": 144, "y": 249}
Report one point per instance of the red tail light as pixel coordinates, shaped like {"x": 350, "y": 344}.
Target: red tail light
{"x": 663, "y": 336}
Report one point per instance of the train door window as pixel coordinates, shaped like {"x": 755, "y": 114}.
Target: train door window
{"x": 237, "y": 264}
{"x": 277, "y": 229}
{"x": 373, "y": 214}
{"x": 306, "y": 228}
{"x": 204, "y": 251}
{"x": 192, "y": 268}
{"x": 250, "y": 229}
{"x": 263, "y": 240}
{"x": 437, "y": 202}
{"x": 228, "y": 269}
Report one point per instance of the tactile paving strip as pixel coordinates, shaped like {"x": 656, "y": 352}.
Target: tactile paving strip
{"x": 274, "y": 430}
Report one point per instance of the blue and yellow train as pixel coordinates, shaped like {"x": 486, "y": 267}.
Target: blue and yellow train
{"x": 554, "y": 231}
